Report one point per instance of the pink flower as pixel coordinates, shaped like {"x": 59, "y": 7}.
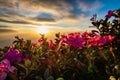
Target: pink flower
{"x": 87, "y": 39}
{"x": 109, "y": 38}
{"x": 110, "y": 14}
{"x": 99, "y": 41}
{"x": 73, "y": 39}
{"x": 34, "y": 45}
{"x": 6, "y": 63}
{"x": 93, "y": 41}
{"x": 5, "y": 67}
{"x": 13, "y": 55}
{"x": 51, "y": 44}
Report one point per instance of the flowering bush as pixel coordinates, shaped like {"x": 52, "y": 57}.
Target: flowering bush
{"x": 91, "y": 55}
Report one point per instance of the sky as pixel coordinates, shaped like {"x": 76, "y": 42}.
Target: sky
{"x": 26, "y": 18}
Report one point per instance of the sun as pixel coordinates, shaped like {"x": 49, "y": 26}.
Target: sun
{"x": 42, "y": 30}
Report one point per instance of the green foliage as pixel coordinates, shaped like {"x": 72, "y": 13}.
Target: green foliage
{"x": 111, "y": 51}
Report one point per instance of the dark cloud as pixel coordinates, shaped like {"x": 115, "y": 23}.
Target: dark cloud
{"x": 6, "y": 30}
{"x": 21, "y": 19}
{"x": 42, "y": 19}
{"x": 58, "y": 8}
{"x": 15, "y": 22}
{"x": 6, "y": 4}
{"x": 2, "y": 26}
{"x": 49, "y": 4}
{"x": 55, "y": 7}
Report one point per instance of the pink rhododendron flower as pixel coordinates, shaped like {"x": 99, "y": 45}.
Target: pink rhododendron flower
{"x": 85, "y": 34}
{"x": 110, "y": 14}
{"x": 5, "y": 67}
{"x": 105, "y": 40}
{"x": 6, "y": 63}
{"x": 63, "y": 38}
{"x": 76, "y": 34}
{"x": 13, "y": 55}
{"x": 109, "y": 38}
{"x": 73, "y": 39}
{"x": 99, "y": 41}
{"x": 90, "y": 38}
{"x": 75, "y": 42}
{"x": 87, "y": 39}
{"x": 51, "y": 44}
{"x": 93, "y": 41}
{"x": 34, "y": 45}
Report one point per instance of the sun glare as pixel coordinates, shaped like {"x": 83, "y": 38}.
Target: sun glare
{"x": 42, "y": 30}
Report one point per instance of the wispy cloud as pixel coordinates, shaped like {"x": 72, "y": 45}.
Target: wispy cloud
{"x": 6, "y": 30}
{"x": 1, "y": 26}
{"x": 86, "y": 6}
{"x": 58, "y": 8}
{"x": 20, "y": 19}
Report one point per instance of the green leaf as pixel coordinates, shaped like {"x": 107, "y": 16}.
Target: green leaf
{"x": 46, "y": 73}
{"x": 60, "y": 78}
{"x": 50, "y": 78}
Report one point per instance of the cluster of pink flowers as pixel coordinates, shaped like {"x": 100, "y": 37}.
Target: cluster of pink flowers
{"x": 94, "y": 39}
{"x": 99, "y": 40}
{"x": 5, "y": 67}
{"x": 77, "y": 40}
{"x": 87, "y": 39}
{"x": 13, "y": 55}
{"x": 51, "y": 45}
{"x": 73, "y": 39}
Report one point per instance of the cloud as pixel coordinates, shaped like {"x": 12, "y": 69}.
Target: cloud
{"x": 86, "y": 6}
{"x": 32, "y": 8}
{"x": 72, "y": 21}
{"x": 58, "y": 8}
{"x": 2, "y": 26}
{"x": 9, "y": 4}
{"x": 6, "y": 30}
{"x": 15, "y": 22}
{"x": 21, "y": 19}
{"x": 75, "y": 19}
